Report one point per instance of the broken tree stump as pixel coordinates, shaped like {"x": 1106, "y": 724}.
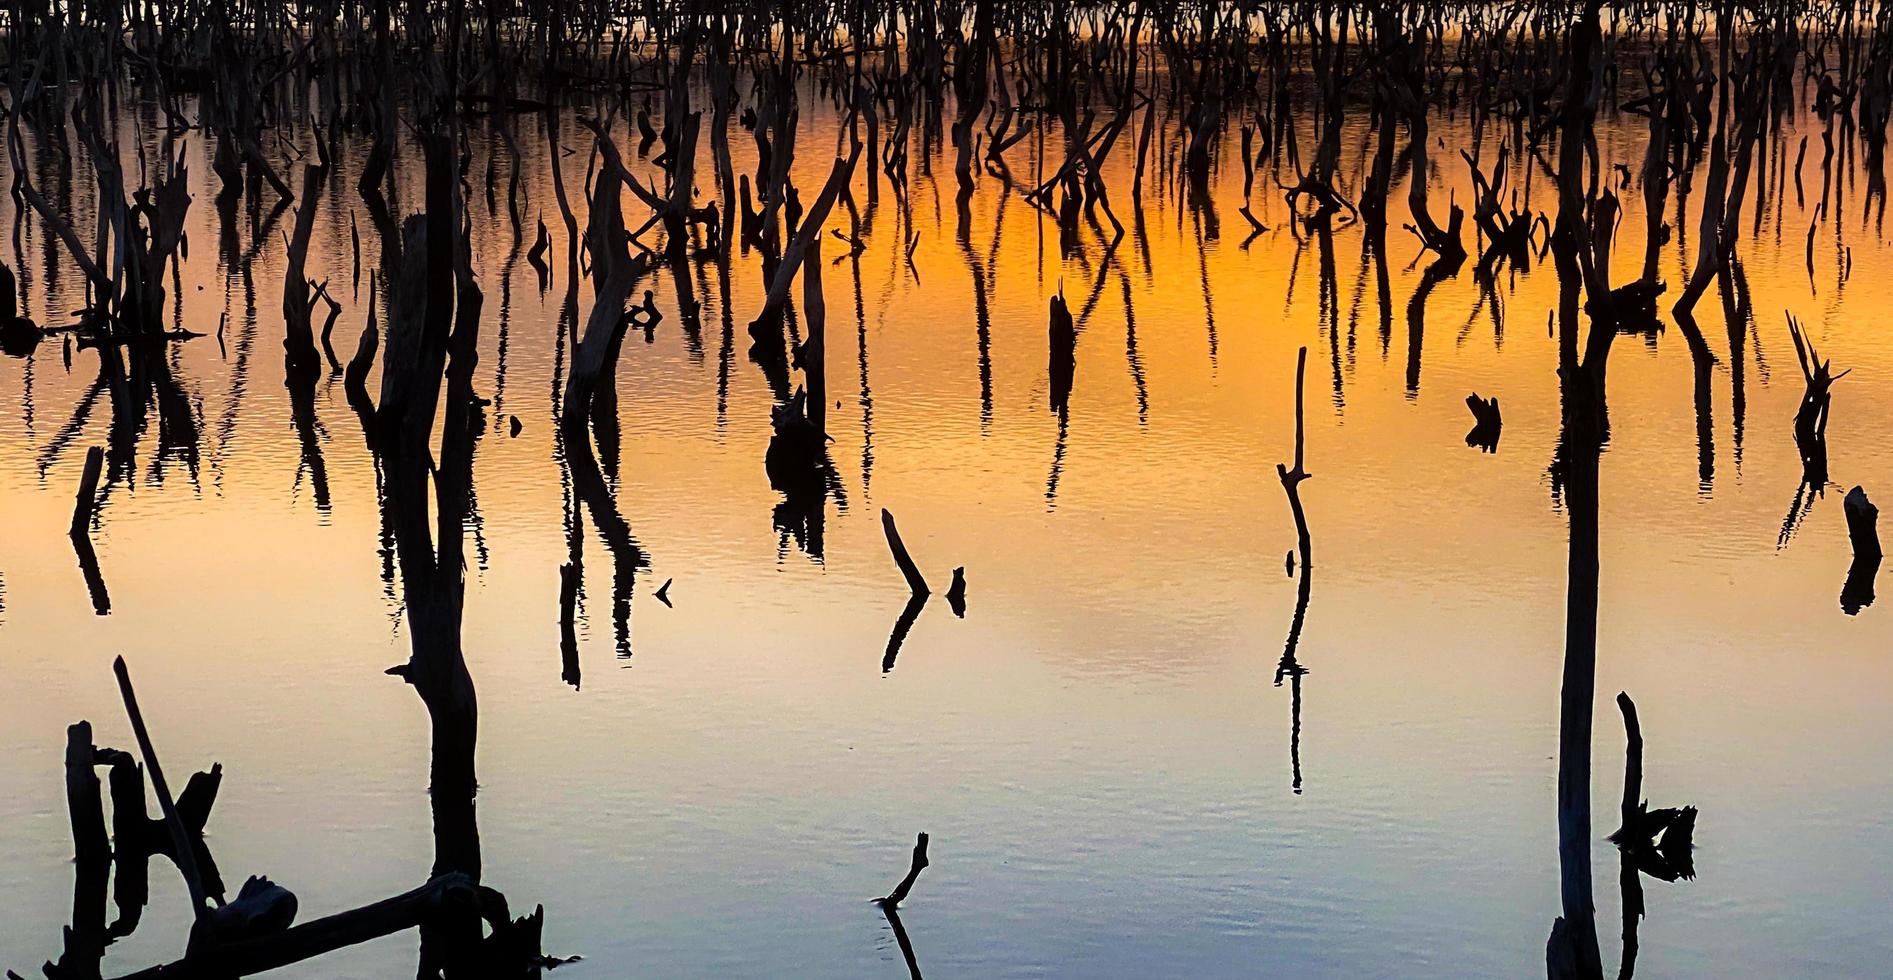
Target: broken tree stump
{"x": 1862, "y": 523}
{"x": 1486, "y": 423}
{"x": 86, "y": 501}
{"x": 1863, "y": 519}
{"x": 1062, "y": 358}
{"x": 82, "y": 797}
{"x": 87, "y": 936}
{"x": 1810, "y": 418}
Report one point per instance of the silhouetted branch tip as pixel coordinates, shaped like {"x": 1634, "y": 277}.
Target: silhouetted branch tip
{"x": 900, "y": 891}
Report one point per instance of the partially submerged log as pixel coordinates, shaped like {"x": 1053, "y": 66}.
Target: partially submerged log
{"x": 453, "y": 895}
{"x": 916, "y": 582}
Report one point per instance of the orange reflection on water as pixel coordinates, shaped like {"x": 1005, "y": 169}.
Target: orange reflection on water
{"x": 1103, "y": 721}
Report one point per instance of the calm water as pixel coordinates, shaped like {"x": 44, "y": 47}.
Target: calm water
{"x": 1098, "y": 749}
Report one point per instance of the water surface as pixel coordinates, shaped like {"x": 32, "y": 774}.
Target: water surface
{"x": 1114, "y": 783}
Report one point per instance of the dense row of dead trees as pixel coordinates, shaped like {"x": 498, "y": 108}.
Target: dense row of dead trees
{"x": 1150, "y": 90}
{"x": 1163, "y": 84}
